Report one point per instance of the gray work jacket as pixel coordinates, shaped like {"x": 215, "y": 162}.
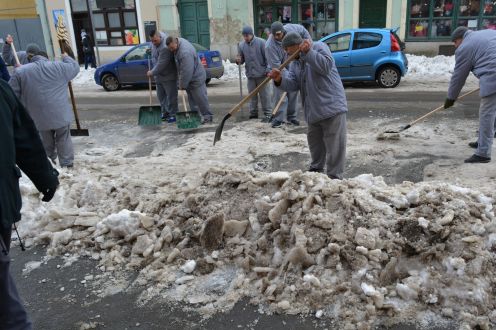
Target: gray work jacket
{"x": 477, "y": 53}
{"x": 273, "y": 49}
{"x": 190, "y": 69}
{"x": 253, "y": 55}
{"x": 42, "y": 88}
{"x": 164, "y": 66}
{"x": 316, "y": 77}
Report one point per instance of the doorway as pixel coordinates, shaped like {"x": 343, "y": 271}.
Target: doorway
{"x": 195, "y": 25}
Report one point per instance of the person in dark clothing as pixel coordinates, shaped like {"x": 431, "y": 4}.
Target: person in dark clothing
{"x": 20, "y": 145}
{"x": 4, "y": 73}
{"x": 87, "y": 50}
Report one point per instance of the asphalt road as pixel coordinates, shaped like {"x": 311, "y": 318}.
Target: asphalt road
{"x": 54, "y": 309}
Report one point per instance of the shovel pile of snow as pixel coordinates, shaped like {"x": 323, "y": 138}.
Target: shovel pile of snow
{"x": 354, "y": 251}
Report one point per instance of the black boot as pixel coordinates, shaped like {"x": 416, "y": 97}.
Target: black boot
{"x": 477, "y": 159}
{"x": 474, "y": 145}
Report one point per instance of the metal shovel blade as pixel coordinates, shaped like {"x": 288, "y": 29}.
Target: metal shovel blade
{"x": 218, "y": 131}
{"x": 79, "y": 132}
{"x": 150, "y": 115}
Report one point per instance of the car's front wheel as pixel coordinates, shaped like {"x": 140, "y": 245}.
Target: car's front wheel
{"x": 110, "y": 83}
{"x": 388, "y": 77}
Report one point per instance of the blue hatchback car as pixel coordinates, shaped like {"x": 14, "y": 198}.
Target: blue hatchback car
{"x": 369, "y": 55}
{"x": 130, "y": 69}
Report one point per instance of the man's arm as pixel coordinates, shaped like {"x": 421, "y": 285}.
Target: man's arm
{"x": 187, "y": 67}
{"x": 241, "y": 56}
{"x": 463, "y": 67}
{"x": 319, "y": 59}
{"x": 70, "y": 67}
{"x": 272, "y": 55}
{"x": 4, "y": 73}
{"x": 8, "y": 55}
{"x": 164, "y": 59}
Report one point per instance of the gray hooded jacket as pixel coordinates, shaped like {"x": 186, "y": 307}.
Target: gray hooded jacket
{"x": 316, "y": 77}
{"x": 42, "y": 88}
{"x": 273, "y": 49}
{"x": 191, "y": 71}
{"x": 164, "y": 66}
{"x": 477, "y": 53}
{"x": 253, "y": 54}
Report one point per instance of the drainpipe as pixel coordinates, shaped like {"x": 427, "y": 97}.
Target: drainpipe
{"x": 45, "y": 25}
{"x": 90, "y": 11}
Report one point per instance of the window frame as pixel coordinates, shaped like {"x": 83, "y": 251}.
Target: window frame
{"x": 357, "y": 34}
{"x": 349, "y": 34}
{"x": 454, "y": 20}
{"x": 108, "y": 30}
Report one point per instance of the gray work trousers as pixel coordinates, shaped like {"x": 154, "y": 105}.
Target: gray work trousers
{"x": 167, "y": 96}
{"x": 263, "y": 94}
{"x": 58, "y": 142}
{"x": 487, "y": 117}
{"x": 288, "y": 108}
{"x": 198, "y": 99}
{"x": 13, "y": 315}
{"x": 327, "y": 144}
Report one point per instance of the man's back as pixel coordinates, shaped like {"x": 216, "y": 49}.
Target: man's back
{"x": 189, "y": 66}
{"x": 42, "y": 88}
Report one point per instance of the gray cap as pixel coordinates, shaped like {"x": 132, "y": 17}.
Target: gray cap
{"x": 291, "y": 39}
{"x": 247, "y": 30}
{"x": 459, "y": 33}
{"x": 277, "y": 27}
{"x": 32, "y": 49}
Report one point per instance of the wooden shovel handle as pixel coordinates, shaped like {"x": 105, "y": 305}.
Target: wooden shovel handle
{"x": 259, "y": 87}
{"x": 183, "y": 92}
{"x": 15, "y": 53}
{"x": 440, "y": 108}
{"x": 278, "y": 105}
{"x": 150, "y": 82}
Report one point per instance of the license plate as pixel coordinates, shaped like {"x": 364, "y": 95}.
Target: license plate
{"x": 215, "y": 58}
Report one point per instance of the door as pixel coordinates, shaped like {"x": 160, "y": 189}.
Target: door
{"x": 340, "y": 49}
{"x": 373, "y": 13}
{"x": 365, "y": 52}
{"x": 24, "y": 31}
{"x": 133, "y": 66}
{"x": 195, "y": 25}
{"x": 81, "y": 21}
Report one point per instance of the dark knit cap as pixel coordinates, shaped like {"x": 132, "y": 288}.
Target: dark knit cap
{"x": 32, "y": 49}
{"x": 459, "y": 33}
{"x": 290, "y": 39}
{"x": 277, "y": 27}
{"x": 247, "y": 30}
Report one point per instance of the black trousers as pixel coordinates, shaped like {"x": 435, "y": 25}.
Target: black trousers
{"x": 13, "y": 315}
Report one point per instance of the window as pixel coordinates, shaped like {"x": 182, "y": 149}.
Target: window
{"x": 114, "y": 26}
{"x": 318, "y": 16}
{"x": 137, "y": 54}
{"x": 339, "y": 43}
{"x": 366, "y": 40}
{"x": 436, "y": 19}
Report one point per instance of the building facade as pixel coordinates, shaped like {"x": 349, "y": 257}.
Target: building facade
{"x": 425, "y": 25}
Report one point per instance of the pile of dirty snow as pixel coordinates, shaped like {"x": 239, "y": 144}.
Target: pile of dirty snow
{"x": 231, "y": 71}
{"x": 353, "y": 250}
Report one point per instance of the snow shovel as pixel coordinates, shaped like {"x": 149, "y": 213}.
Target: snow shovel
{"x": 151, "y": 114}
{"x": 401, "y": 129}
{"x": 278, "y": 105}
{"x": 78, "y": 131}
{"x": 187, "y": 119}
{"x": 218, "y": 131}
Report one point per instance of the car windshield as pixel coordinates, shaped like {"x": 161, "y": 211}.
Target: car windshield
{"x": 137, "y": 54}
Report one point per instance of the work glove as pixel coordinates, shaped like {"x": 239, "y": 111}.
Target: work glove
{"x": 448, "y": 103}
{"x": 48, "y": 194}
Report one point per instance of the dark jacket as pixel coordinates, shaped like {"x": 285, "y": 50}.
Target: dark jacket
{"x": 20, "y": 144}
{"x": 87, "y": 49}
{"x": 4, "y": 73}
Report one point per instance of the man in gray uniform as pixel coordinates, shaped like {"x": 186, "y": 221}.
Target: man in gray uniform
{"x": 251, "y": 51}
{"x": 165, "y": 74}
{"x": 8, "y": 54}
{"x": 476, "y": 52}
{"x": 192, "y": 75}
{"x": 41, "y": 85}
{"x": 324, "y": 101}
{"x": 276, "y": 56}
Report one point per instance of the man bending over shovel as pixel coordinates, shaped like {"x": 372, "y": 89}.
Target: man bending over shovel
{"x": 314, "y": 73}
{"x": 476, "y": 52}
{"x": 192, "y": 75}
